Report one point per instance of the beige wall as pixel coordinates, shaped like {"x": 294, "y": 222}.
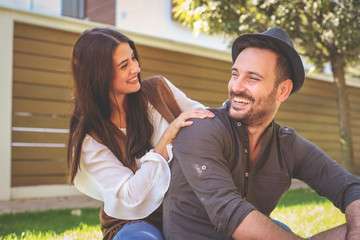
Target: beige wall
{"x": 6, "y": 29}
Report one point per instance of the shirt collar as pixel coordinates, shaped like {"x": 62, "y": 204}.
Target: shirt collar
{"x": 267, "y": 135}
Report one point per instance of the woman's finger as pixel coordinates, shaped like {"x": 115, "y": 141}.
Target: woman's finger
{"x": 204, "y": 111}
{"x": 182, "y": 120}
{"x": 197, "y": 114}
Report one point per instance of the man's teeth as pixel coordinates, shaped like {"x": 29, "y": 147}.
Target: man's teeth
{"x": 241, "y": 100}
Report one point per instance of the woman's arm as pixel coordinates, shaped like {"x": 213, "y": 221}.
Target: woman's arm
{"x": 127, "y": 195}
{"x": 182, "y": 100}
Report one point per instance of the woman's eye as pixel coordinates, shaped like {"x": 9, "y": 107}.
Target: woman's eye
{"x": 123, "y": 66}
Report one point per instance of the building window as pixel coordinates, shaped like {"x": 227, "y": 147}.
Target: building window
{"x": 73, "y": 8}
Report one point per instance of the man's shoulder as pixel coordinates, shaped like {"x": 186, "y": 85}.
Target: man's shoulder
{"x": 220, "y": 120}
{"x": 218, "y": 125}
{"x": 284, "y": 130}
{"x": 287, "y": 136}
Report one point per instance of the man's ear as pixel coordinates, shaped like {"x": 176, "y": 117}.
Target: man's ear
{"x": 284, "y": 90}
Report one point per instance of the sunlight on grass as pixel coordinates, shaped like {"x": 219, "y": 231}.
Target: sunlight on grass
{"x": 82, "y": 232}
{"x": 307, "y": 220}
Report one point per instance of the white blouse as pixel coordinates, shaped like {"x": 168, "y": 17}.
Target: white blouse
{"x": 127, "y": 195}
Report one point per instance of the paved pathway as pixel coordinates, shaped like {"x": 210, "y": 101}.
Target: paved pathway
{"x": 23, "y": 205}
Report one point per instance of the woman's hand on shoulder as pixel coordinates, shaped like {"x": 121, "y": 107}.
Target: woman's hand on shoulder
{"x": 182, "y": 121}
{"x": 174, "y": 127}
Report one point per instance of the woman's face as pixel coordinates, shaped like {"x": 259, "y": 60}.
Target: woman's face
{"x": 126, "y": 69}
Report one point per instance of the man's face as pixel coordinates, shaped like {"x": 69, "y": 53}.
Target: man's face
{"x": 252, "y": 92}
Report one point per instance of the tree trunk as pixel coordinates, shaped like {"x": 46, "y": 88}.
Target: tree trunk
{"x": 347, "y": 155}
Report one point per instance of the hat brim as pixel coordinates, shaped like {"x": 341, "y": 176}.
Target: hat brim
{"x": 289, "y": 51}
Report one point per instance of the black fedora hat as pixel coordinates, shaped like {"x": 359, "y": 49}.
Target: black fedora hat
{"x": 283, "y": 41}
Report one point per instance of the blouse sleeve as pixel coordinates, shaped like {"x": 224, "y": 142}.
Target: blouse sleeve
{"x": 127, "y": 195}
{"x": 182, "y": 100}
{"x": 160, "y": 124}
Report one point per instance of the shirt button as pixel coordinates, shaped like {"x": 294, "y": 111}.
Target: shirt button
{"x": 238, "y": 124}
{"x": 203, "y": 168}
{"x": 246, "y": 151}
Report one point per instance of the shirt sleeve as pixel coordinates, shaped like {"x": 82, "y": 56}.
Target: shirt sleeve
{"x": 202, "y": 157}
{"x": 323, "y": 174}
{"x": 126, "y": 195}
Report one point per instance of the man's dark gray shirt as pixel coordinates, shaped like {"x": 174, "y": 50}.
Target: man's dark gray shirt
{"x": 213, "y": 188}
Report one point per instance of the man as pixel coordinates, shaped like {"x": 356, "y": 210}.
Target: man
{"x": 229, "y": 172}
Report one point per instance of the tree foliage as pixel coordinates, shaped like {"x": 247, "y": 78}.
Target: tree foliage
{"x": 320, "y": 28}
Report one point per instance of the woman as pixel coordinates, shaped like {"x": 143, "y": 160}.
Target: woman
{"x": 120, "y": 136}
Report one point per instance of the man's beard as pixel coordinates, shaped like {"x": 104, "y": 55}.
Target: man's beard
{"x": 255, "y": 117}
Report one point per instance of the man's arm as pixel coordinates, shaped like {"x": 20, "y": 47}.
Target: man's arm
{"x": 348, "y": 231}
{"x": 258, "y": 226}
{"x": 352, "y": 214}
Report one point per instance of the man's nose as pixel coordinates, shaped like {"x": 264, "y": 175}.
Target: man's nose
{"x": 239, "y": 85}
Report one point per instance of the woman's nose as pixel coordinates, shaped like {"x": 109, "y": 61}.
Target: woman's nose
{"x": 135, "y": 68}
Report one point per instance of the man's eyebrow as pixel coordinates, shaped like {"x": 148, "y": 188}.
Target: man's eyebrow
{"x": 248, "y": 72}
{"x": 255, "y": 73}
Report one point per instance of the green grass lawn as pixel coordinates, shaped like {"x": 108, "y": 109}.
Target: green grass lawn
{"x": 306, "y": 213}
{"x": 302, "y": 210}
{"x": 52, "y": 224}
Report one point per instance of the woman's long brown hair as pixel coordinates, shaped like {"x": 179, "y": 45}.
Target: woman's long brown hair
{"x": 92, "y": 68}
